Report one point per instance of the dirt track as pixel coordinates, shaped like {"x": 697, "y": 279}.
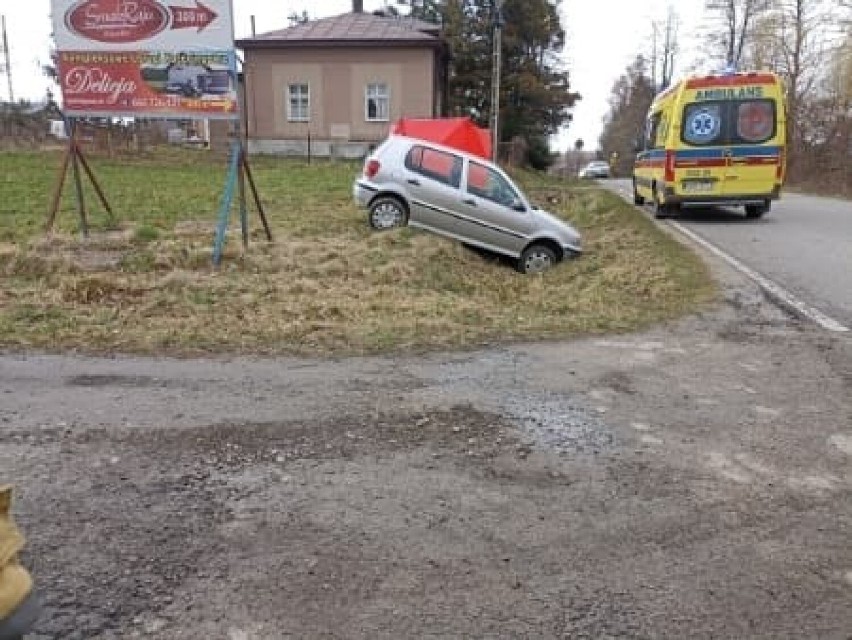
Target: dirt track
{"x": 691, "y": 482}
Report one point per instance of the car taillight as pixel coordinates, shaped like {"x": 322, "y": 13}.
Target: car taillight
{"x": 670, "y": 166}
{"x": 779, "y": 170}
{"x": 372, "y": 168}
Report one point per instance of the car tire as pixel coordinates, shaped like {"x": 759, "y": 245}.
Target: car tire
{"x": 387, "y": 212}
{"x": 755, "y": 211}
{"x": 536, "y": 258}
{"x": 637, "y": 199}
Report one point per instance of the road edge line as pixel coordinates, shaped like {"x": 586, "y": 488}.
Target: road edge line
{"x": 775, "y": 291}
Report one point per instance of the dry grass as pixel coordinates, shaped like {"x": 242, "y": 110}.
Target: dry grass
{"x": 327, "y": 285}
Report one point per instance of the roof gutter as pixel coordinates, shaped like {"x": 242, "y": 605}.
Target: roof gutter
{"x": 336, "y": 44}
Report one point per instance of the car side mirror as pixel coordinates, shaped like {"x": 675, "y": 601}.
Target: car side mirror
{"x": 518, "y": 206}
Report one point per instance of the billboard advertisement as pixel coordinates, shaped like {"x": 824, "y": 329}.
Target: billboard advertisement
{"x": 146, "y": 58}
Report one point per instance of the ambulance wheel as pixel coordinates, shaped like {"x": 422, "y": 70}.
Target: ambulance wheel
{"x": 661, "y": 210}
{"x": 755, "y": 211}
{"x": 637, "y": 199}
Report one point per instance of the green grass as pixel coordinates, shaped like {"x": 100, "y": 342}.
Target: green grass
{"x": 142, "y": 282}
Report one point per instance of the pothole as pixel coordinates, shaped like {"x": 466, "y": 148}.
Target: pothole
{"x": 559, "y": 424}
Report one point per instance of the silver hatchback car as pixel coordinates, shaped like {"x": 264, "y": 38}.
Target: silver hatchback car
{"x": 461, "y": 196}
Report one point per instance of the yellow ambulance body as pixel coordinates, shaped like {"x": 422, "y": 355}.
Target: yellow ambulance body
{"x": 714, "y": 140}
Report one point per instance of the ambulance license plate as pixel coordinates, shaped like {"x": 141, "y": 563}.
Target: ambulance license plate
{"x": 698, "y": 186}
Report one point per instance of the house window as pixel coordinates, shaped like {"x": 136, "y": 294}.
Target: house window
{"x": 298, "y": 103}
{"x": 377, "y": 100}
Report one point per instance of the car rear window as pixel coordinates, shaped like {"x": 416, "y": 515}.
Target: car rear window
{"x": 438, "y": 165}
{"x": 729, "y": 122}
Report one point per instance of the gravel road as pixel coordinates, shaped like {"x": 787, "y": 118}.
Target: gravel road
{"x": 694, "y": 481}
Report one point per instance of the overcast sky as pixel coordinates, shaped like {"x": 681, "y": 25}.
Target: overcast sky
{"x": 603, "y": 38}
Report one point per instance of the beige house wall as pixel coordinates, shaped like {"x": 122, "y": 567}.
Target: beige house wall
{"x": 337, "y": 78}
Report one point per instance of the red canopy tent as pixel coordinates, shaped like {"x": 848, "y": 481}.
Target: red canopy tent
{"x": 459, "y": 133}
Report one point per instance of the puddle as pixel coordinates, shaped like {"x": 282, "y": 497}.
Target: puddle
{"x": 112, "y": 380}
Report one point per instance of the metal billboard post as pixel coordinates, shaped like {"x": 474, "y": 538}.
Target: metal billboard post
{"x": 239, "y": 177}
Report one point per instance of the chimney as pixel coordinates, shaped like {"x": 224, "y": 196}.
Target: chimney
{"x": 357, "y": 6}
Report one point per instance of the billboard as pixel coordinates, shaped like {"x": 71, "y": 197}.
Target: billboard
{"x": 146, "y": 58}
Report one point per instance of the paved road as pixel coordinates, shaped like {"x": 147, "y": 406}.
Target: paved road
{"x": 804, "y": 244}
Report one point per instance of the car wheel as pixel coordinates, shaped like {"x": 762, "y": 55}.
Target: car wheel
{"x": 755, "y": 211}
{"x": 387, "y": 212}
{"x": 637, "y": 199}
{"x": 536, "y": 258}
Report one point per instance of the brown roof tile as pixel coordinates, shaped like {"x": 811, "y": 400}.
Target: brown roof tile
{"x": 360, "y": 27}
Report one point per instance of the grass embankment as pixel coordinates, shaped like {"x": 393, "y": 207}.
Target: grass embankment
{"x": 143, "y": 283}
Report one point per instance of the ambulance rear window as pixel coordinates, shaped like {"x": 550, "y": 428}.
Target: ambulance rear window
{"x": 755, "y": 121}
{"x": 702, "y": 123}
{"x": 729, "y": 122}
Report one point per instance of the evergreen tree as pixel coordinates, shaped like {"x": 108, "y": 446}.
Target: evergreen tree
{"x": 535, "y": 93}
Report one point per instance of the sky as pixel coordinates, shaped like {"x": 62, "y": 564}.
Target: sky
{"x": 603, "y": 37}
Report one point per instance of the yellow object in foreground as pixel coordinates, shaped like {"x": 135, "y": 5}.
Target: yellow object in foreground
{"x": 16, "y": 585}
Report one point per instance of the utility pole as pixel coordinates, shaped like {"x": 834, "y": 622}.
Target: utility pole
{"x": 654, "y": 58}
{"x": 7, "y": 59}
{"x": 495, "y": 79}
{"x": 669, "y": 49}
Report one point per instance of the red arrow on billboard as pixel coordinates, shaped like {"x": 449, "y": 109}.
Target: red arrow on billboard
{"x": 188, "y": 17}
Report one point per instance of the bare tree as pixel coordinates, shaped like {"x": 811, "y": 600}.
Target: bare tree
{"x": 797, "y": 39}
{"x": 631, "y": 96}
{"x": 738, "y": 18}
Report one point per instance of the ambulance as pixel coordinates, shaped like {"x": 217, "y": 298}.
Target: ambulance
{"x": 716, "y": 140}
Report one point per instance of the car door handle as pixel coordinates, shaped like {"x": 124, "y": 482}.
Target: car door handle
{"x": 414, "y": 181}
{"x": 469, "y": 201}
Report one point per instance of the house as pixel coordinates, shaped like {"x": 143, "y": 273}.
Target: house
{"x": 333, "y": 87}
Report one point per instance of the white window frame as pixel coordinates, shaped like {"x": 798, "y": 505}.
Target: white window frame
{"x": 292, "y": 116}
{"x": 378, "y": 91}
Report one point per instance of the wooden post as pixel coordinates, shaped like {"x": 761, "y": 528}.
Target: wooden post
{"x": 57, "y": 192}
{"x": 78, "y": 184}
{"x": 94, "y": 181}
{"x": 74, "y": 156}
{"x": 256, "y": 197}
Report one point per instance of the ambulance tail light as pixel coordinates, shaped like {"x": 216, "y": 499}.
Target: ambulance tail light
{"x": 670, "y": 166}
{"x": 779, "y": 169}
